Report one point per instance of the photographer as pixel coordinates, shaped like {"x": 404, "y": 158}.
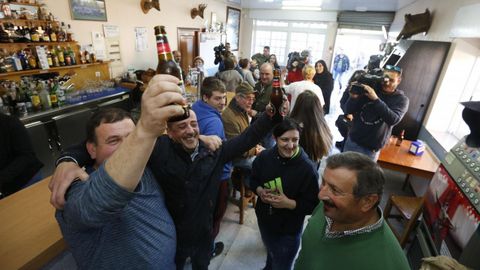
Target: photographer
{"x": 221, "y": 52}
{"x": 377, "y": 106}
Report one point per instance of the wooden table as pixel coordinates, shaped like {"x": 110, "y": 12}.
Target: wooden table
{"x": 398, "y": 158}
{"x": 29, "y": 234}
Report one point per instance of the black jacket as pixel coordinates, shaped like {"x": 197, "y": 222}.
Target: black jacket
{"x": 299, "y": 182}
{"x": 18, "y": 163}
{"x": 191, "y": 187}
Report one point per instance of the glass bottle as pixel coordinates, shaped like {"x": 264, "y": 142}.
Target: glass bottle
{"x": 276, "y": 97}
{"x": 61, "y": 57}
{"x": 166, "y": 64}
{"x": 400, "y": 138}
{"x": 53, "y": 95}
{"x": 70, "y": 36}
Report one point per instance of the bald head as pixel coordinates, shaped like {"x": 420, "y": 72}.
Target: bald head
{"x": 266, "y": 73}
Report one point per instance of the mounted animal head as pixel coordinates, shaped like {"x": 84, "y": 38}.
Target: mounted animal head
{"x": 146, "y": 5}
{"x": 415, "y": 24}
{"x": 194, "y": 12}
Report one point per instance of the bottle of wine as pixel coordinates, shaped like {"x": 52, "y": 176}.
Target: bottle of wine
{"x": 400, "y": 138}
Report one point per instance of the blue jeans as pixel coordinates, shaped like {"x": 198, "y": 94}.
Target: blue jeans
{"x": 281, "y": 248}
{"x": 354, "y": 147}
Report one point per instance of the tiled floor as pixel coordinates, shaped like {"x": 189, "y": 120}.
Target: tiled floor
{"x": 243, "y": 245}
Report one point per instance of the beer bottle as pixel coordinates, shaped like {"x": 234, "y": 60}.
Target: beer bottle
{"x": 400, "y": 138}
{"x": 166, "y": 64}
{"x": 276, "y": 97}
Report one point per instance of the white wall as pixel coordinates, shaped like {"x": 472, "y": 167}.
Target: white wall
{"x": 444, "y": 14}
{"x": 127, "y": 14}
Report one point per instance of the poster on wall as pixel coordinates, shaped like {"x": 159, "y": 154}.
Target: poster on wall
{"x": 233, "y": 27}
{"x": 90, "y": 10}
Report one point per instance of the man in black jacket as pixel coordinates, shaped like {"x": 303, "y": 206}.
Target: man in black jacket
{"x": 18, "y": 163}
{"x": 188, "y": 172}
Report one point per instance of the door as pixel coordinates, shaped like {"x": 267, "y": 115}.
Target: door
{"x": 187, "y": 45}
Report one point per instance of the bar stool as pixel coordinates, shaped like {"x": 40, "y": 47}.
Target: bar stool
{"x": 246, "y": 195}
{"x": 409, "y": 210}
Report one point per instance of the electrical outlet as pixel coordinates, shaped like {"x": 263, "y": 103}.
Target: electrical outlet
{"x": 97, "y": 74}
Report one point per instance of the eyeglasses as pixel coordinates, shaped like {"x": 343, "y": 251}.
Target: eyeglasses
{"x": 393, "y": 68}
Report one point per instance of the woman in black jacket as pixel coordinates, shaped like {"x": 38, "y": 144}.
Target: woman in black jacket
{"x": 324, "y": 79}
{"x": 286, "y": 181}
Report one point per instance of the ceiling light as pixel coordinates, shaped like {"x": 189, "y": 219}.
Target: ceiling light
{"x": 301, "y": 8}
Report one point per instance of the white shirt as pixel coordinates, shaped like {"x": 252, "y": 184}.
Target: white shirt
{"x": 296, "y": 88}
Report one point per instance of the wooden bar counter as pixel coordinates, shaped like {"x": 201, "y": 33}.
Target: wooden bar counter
{"x": 29, "y": 234}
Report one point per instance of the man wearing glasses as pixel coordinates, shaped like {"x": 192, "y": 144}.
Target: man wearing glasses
{"x": 347, "y": 229}
{"x": 235, "y": 120}
{"x": 375, "y": 112}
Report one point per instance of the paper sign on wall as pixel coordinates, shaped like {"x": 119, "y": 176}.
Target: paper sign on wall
{"x": 141, "y": 39}
{"x": 98, "y": 44}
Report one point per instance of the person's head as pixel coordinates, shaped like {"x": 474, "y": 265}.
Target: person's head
{"x": 308, "y": 72}
{"x": 321, "y": 67}
{"x": 394, "y": 74}
{"x": 287, "y": 136}
{"x": 106, "y": 130}
{"x": 266, "y": 73}
{"x": 266, "y": 50}
{"x": 198, "y": 62}
{"x": 245, "y": 96}
{"x": 253, "y": 63}
{"x": 244, "y": 63}
{"x": 351, "y": 189}
{"x": 185, "y": 132}
{"x": 229, "y": 63}
{"x": 227, "y": 46}
{"x": 316, "y": 138}
{"x": 272, "y": 59}
{"x": 177, "y": 56}
{"x": 214, "y": 93}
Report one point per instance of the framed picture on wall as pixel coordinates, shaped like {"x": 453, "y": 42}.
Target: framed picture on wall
{"x": 233, "y": 28}
{"x": 89, "y": 10}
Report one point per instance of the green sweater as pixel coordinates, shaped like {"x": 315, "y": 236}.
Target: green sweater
{"x": 378, "y": 249}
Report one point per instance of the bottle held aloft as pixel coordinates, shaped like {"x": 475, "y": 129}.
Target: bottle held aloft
{"x": 276, "y": 97}
{"x": 166, "y": 64}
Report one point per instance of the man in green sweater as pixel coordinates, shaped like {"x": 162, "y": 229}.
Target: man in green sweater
{"x": 347, "y": 229}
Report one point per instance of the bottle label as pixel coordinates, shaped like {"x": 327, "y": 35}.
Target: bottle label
{"x": 276, "y": 83}
{"x": 162, "y": 44}
{"x": 36, "y": 101}
{"x": 53, "y": 98}
{"x": 35, "y": 37}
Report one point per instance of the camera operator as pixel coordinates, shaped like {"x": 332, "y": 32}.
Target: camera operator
{"x": 377, "y": 105}
{"x": 221, "y": 52}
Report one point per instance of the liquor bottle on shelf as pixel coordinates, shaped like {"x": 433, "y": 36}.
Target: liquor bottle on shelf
{"x": 36, "y": 102}
{"x": 53, "y": 34}
{"x": 61, "y": 33}
{"x": 61, "y": 57}
{"x": 276, "y": 97}
{"x": 44, "y": 96}
{"x": 32, "y": 60}
{"x": 49, "y": 58}
{"x": 53, "y": 95}
{"x": 67, "y": 56}
{"x": 72, "y": 55}
{"x": 70, "y": 36}
{"x": 44, "y": 34}
{"x": 34, "y": 34}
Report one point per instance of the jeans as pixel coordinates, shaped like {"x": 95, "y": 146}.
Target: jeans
{"x": 281, "y": 248}
{"x": 200, "y": 254}
{"x": 354, "y": 147}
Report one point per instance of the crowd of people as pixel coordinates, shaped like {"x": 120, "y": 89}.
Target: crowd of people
{"x": 153, "y": 194}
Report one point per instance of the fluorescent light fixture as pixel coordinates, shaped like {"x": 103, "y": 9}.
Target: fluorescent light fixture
{"x": 302, "y": 3}
{"x": 301, "y": 8}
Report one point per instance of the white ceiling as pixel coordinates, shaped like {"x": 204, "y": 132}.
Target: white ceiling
{"x": 333, "y": 5}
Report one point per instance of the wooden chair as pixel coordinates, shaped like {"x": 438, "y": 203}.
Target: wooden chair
{"x": 246, "y": 195}
{"x": 409, "y": 210}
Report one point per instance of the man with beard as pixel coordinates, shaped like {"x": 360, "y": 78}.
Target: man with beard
{"x": 189, "y": 174}
{"x": 347, "y": 229}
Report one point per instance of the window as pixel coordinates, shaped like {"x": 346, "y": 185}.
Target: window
{"x": 285, "y": 37}
{"x": 460, "y": 83}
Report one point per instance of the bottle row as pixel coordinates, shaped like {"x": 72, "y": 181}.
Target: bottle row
{"x": 43, "y": 57}
{"x": 31, "y": 33}
{"x": 31, "y": 96}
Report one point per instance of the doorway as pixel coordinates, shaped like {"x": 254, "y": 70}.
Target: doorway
{"x": 187, "y": 45}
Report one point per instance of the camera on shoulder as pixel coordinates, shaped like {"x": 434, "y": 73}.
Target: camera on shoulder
{"x": 374, "y": 81}
{"x": 219, "y": 52}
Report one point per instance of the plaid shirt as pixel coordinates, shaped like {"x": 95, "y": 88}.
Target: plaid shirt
{"x": 366, "y": 229}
